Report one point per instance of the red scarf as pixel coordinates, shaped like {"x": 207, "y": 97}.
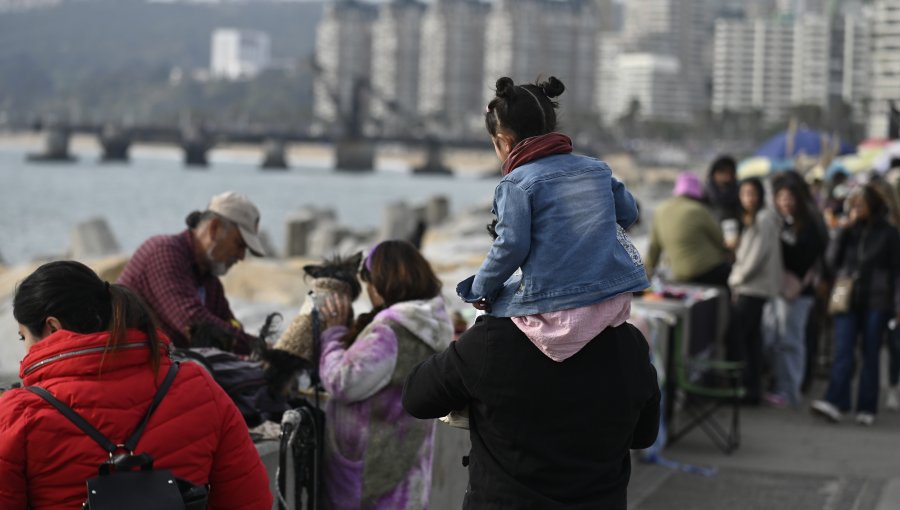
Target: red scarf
{"x": 536, "y": 147}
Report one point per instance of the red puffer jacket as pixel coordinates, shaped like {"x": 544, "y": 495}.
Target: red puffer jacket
{"x": 196, "y": 432}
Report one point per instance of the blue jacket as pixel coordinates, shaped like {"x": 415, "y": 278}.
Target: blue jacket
{"x": 561, "y": 219}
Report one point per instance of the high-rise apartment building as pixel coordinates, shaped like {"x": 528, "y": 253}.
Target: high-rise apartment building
{"x": 343, "y": 57}
{"x": 451, "y": 77}
{"x": 238, "y": 54}
{"x": 811, "y": 80}
{"x": 531, "y": 39}
{"x": 607, "y": 80}
{"x": 607, "y": 15}
{"x": 885, "y": 80}
{"x": 651, "y": 80}
{"x": 734, "y": 57}
{"x": 677, "y": 28}
{"x": 396, "y": 43}
{"x": 856, "y": 39}
{"x": 773, "y": 67}
{"x": 769, "y": 66}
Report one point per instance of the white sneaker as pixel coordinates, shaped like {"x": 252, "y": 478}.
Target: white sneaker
{"x": 826, "y": 409}
{"x": 892, "y": 402}
{"x": 866, "y": 419}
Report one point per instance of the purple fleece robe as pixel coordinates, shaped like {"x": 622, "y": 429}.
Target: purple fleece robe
{"x": 376, "y": 455}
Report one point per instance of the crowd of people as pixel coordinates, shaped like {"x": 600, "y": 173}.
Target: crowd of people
{"x": 811, "y": 278}
{"x": 553, "y": 383}
{"x": 554, "y": 307}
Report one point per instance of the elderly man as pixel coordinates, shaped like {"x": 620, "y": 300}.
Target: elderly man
{"x": 178, "y": 275}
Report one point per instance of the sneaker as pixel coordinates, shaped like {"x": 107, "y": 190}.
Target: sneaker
{"x": 865, "y": 419}
{"x": 826, "y": 409}
{"x": 892, "y": 402}
{"x": 775, "y": 400}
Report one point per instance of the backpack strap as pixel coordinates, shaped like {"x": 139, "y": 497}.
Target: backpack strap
{"x": 75, "y": 418}
{"x": 131, "y": 442}
{"x": 95, "y": 434}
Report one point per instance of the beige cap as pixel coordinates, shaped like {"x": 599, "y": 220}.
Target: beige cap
{"x": 240, "y": 210}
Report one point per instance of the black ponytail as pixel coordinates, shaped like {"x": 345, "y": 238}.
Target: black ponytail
{"x": 524, "y": 110}
{"x": 83, "y": 303}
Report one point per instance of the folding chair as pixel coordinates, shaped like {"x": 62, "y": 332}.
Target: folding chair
{"x": 707, "y": 385}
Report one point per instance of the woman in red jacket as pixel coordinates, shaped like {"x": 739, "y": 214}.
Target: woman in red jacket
{"x": 95, "y": 347}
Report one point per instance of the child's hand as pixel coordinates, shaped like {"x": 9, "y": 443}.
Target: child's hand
{"x": 482, "y": 304}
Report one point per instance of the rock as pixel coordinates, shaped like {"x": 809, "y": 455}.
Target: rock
{"x": 437, "y": 210}
{"x": 93, "y": 239}
{"x": 300, "y": 225}
{"x": 399, "y": 221}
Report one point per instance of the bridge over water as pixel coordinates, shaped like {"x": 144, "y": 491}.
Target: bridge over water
{"x": 353, "y": 152}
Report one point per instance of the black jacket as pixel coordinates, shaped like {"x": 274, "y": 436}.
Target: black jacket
{"x": 871, "y": 254}
{"x": 723, "y": 202}
{"x": 545, "y": 435}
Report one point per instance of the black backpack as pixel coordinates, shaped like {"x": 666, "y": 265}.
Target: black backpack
{"x": 128, "y": 481}
{"x": 243, "y": 380}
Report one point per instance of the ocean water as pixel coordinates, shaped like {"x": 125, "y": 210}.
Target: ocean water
{"x": 41, "y": 203}
{"x": 152, "y": 194}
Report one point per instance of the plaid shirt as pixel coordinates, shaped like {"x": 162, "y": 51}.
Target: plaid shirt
{"x": 163, "y": 272}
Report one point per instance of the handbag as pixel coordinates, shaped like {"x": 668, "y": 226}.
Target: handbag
{"x": 841, "y": 299}
{"x": 129, "y": 481}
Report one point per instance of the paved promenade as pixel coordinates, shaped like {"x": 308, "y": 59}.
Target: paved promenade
{"x": 788, "y": 460}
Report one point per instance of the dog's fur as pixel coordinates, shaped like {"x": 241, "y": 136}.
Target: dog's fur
{"x": 294, "y": 349}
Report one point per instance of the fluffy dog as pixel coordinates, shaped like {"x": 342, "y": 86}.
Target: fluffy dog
{"x": 294, "y": 349}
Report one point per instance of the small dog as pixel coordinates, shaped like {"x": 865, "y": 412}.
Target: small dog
{"x": 294, "y": 349}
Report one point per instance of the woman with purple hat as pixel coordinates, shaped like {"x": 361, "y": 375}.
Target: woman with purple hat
{"x": 687, "y": 233}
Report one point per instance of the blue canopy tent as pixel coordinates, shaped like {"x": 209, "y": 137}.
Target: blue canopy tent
{"x": 789, "y": 145}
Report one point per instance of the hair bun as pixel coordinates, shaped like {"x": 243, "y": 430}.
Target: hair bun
{"x": 552, "y": 87}
{"x": 193, "y": 219}
{"x": 506, "y": 88}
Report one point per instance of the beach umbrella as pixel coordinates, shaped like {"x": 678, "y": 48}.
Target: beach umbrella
{"x": 890, "y": 151}
{"x": 852, "y": 164}
{"x": 761, "y": 166}
{"x": 794, "y": 142}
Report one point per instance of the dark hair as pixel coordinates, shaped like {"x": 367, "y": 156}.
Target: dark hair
{"x": 524, "y": 110}
{"x": 723, "y": 163}
{"x": 878, "y": 208}
{"x": 760, "y": 191}
{"x": 195, "y": 218}
{"x": 83, "y": 303}
{"x": 399, "y": 273}
{"x": 794, "y": 183}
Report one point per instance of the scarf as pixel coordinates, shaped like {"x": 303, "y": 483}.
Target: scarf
{"x": 536, "y": 147}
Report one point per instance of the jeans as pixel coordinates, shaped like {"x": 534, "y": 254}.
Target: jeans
{"x": 847, "y": 326}
{"x": 784, "y": 330}
{"x": 893, "y": 342}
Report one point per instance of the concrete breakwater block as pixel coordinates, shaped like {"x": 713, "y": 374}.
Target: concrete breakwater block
{"x": 300, "y": 225}
{"x": 399, "y": 221}
{"x": 437, "y": 210}
{"x": 92, "y": 239}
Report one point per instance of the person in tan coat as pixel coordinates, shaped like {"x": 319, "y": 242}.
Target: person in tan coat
{"x": 755, "y": 278}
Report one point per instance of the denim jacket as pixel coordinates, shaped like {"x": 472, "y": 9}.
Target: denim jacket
{"x": 561, "y": 220}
